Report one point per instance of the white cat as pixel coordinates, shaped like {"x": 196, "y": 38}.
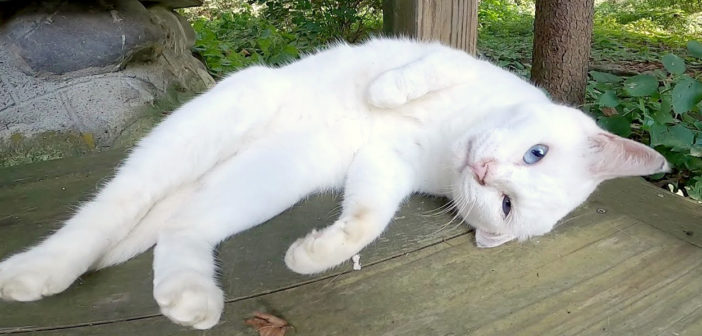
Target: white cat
{"x": 381, "y": 120}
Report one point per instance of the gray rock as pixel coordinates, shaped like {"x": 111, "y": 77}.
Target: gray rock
{"x": 56, "y": 37}
{"x": 90, "y": 73}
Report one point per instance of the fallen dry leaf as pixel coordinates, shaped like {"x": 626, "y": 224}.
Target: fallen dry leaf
{"x": 268, "y": 325}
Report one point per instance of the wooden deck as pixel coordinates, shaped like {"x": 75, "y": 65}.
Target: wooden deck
{"x": 628, "y": 262}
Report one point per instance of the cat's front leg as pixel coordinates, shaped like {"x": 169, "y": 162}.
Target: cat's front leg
{"x": 377, "y": 183}
{"x": 436, "y": 71}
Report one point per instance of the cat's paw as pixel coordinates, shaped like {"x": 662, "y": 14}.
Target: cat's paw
{"x": 388, "y": 91}
{"x": 32, "y": 275}
{"x": 190, "y": 299}
{"x": 320, "y": 250}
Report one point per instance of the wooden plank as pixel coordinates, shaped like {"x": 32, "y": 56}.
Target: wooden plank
{"x": 602, "y": 274}
{"x": 31, "y": 208}
{"x": 102, "y": 163}
{"x": 454, "y": 22}
{"x": 623, "y": 254}
{"x": 675, "y": 215}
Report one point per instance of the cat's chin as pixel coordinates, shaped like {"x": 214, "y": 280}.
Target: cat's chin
{"x": 487, "y": 239}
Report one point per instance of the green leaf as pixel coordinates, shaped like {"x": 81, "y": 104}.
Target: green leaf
{"x": 666, "y": 104}
{"x": 616, "y": 124}
{"x": 641, "y": 85}
{"x": 291, "y": 51}
{"x": 674, "y": 64}
{"x": 686, "y": 94}
{"x": 696, "y": 149}
{"x": 663, "y": 117}
{"x": 603, "y": 77}
{"x": 647, "y": 123}
{"x": 608, "y": 99}
{"x": 264, "y": 43}
{"x": 677, "y": 137}
{"x": 694, "y": 188}
{"x": 657, "y": 176}
{"x": 604, "y": 86}
{"x": 695, "y": 48}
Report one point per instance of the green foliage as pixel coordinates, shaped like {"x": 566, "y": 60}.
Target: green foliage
{"x": 232, "y": 34}
{"x": 234, "y": 40}
{"x": 506, "y": 17}
{"x": 643, "y": 30}
{"x": 631, "y": 31}
{"x": 505, "y": 33}
{"x": 324, "y": 21}
{"x": 695, "y": 48}
{"x": 663, "y": 109}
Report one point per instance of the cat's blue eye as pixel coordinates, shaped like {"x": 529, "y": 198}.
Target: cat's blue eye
{"x": 506, "y": 205}
{"x": 535, "y": 153}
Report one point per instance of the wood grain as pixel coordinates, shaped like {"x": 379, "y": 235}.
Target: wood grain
{"x": 251, "y": 263}
{"x": 627, "y": 262}
{"x": 454, "y": 22}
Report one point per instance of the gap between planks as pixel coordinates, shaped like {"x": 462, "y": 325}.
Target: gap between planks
{"x": 446, "y": 241}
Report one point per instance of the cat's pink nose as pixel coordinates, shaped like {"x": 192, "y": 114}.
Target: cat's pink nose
{"x": 481, "y": 169}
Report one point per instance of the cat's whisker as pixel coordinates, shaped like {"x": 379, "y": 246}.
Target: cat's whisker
{"x": 459, "y": 206}
{"x": 445, "y": 225}
{"x": 444, "y": 209}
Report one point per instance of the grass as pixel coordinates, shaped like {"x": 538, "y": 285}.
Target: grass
{"x": 626, "y": 32}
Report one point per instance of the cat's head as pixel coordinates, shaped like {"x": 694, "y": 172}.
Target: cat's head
{"x": 525, "y": 167}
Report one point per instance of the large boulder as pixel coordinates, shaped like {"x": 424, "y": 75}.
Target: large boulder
{"x": 85, "y": 75}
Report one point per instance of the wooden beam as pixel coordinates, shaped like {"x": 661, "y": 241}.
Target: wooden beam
{"x": 453, "y": 22}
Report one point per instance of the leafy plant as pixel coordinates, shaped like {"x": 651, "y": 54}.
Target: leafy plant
{"x": 505, "y": 33}
{"x": 232, "y": 34}
{"x": 238, "y": 39}
{"x": 661, "y": 109}
{"x": 324, "y": 21}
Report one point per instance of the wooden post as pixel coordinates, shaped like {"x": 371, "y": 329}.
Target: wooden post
{"x": 453, "y": 22}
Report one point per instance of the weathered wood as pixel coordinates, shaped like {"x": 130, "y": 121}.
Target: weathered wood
{"x": 633, "y": 197}
{"x": 454, "y": 22}
{"x": 32, "y": 207}
{"x": 626, "y": 262}
{"x": 602, "y": 274}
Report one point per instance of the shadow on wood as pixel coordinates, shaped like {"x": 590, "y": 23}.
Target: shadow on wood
{"x": 626, "y": 262}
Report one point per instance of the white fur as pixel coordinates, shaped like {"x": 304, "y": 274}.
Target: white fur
{"x": 382, "y": 120}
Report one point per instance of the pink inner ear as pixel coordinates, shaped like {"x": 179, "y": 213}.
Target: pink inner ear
{"x": 615, "y": 156}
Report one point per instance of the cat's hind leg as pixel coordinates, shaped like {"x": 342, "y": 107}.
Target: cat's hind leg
{"x": 182, "y": 148}
{"x": 378, "y": 180}
{"x": 246, "y": 190}
{"x": 145, "y": 234}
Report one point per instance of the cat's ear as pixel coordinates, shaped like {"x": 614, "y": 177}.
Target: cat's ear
{"x": 613, "y": 156}
{"x": 486, "y": 239}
